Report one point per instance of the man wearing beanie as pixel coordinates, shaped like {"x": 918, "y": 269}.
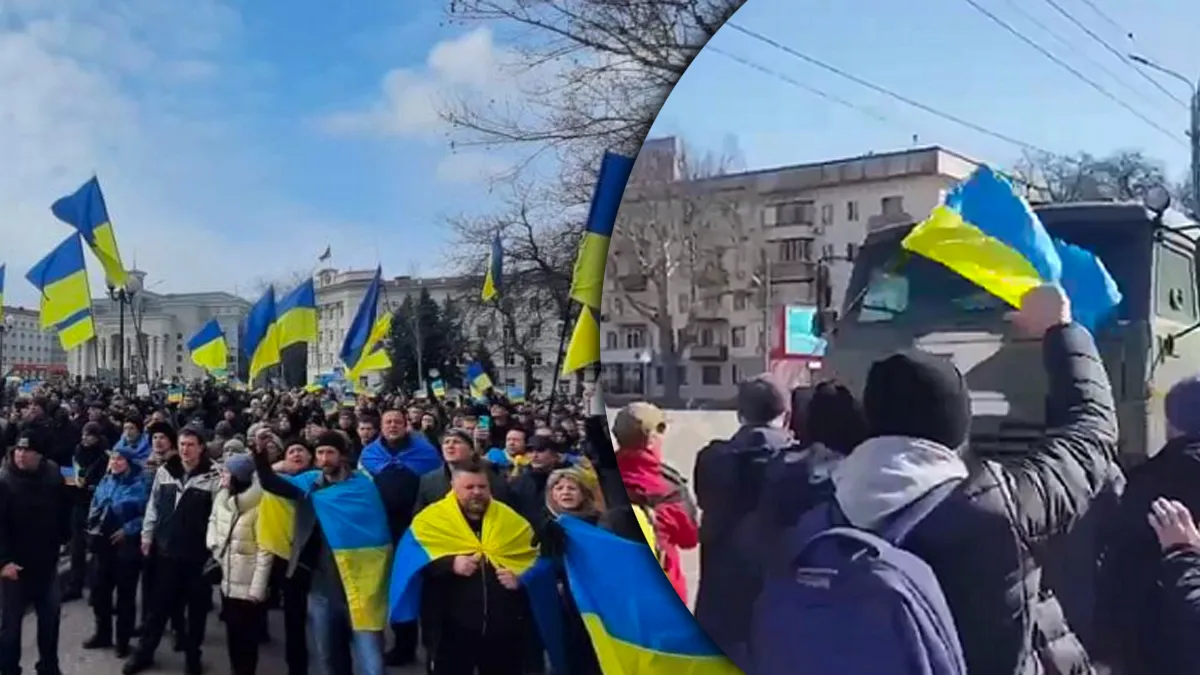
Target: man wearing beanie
{"x": 1135, "y": 630}
{"x": 977, "y": 539}
{"x": 458, "y": 449}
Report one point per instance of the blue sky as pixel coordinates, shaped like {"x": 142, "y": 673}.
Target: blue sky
{"x": 234, "y": 141}
{"x": 946, "y": 54}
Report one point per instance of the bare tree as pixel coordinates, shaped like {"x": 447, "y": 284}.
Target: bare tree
{"x": 682, "y": 227}
{"x": 604, "y": 68}
{"x": 1124, "y": 175}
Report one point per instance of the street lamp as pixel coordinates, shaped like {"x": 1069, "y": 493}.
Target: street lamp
{"x": 1194, "y": 129}
{"x": 123, "y": 296}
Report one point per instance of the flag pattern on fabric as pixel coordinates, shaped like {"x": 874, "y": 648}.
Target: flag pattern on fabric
{"x": 86, "y": 211}
{"x": 584, "y": 348}
{"x": 587, "y": 282}
{"x": 76, "y": 329}
{"x": 636, "y": 621}
{"x": 296, "y": 315}
{"x": 260, "y": 339}
{"x": 494, "y": 277}
{"x": 353, "y": 520}
{"x": 374, "y": 353}
{"x": 61, "y": 278}
{"x": 361, "y": 327}
{"x": 986, "y": 233}
{"x": 326, "y": 255}
{"x": 208, "y": 347}
{"x": 478, "y": 380}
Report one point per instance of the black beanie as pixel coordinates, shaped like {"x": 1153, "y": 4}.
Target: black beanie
{"x": 333, "y": 439}
{"x": 919, "y": 395}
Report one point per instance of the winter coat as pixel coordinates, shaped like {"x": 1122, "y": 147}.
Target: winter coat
{"x": 642, "y": 472}
{"x": 1133, "y": 606}
{"x": 139, "y": 449}
{"x": 984, "y": 542}
{"x": 232, "y": 539}
{"x": 119, "y": 503}
{"x": 176, "y": 519}
{"x": 34, "y": 519}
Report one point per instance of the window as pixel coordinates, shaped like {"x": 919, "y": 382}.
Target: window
{"x": 684, "y": 304}
{"x": 178, "y": 359}
{"x": 704, "y": 337}
{"x": 795, "y": 250}
{"x": 535, "y": 331}
{"x": 510, "y": 359}
{"x": 535, "y": 385}
{"x": 535, "y": 359}
{"x": 735, "y": 373}
{"x": 710, "y": 376}
{"x": 635, "y": 338}
{"x": 851, "y": 250}
{"x": 713, "y": 303}
{"x": 852, "y": 211}
{"x": 611, "y": 341}
{"x": 1175, "y": 286}
{"x": 892, "y": 206}
{"x": 618, "y": 306}
{"x": 801, "y": 212}
{"x": 510, "y": 382}
{"x": 481, "y": 332}
{"x": 737, "y": 337}
{"x": 739, "y": 302}
{"x": 827, "y": 214}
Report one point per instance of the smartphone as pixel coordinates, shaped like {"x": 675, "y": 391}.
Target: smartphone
{"x": 485, "y": 422}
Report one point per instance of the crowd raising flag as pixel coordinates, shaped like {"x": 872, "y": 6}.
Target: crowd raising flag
{"x": 208, "y": 347}
{"x": 374, "y": 354}
{"x": 988, "y": 234}
{"x": 86, "y": 212}
{"x": 61, "y": 278}
{"x": 261, "y": 336}
{"x": 478, "y": 381}
{"x": 297, "y": 315}
{"x": 365, "y": 348}
{"x": 493, "y": 279}
{"x": 587, "y": 283}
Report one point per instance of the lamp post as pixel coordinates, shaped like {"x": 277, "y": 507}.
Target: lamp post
{"x": 1194, "y": 127}
{"x": 123, "y": 296}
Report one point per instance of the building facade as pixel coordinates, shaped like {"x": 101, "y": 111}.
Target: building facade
{"x": 339, "y": 293}
{"x": 760, "y": 247}
{"x": 27, "y": 350}
{"x": 156, "y": 329}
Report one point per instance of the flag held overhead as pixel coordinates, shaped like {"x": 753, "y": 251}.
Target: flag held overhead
{"x": 297, "y": 313}
{"x": 587, "y": 282}
{"x": 494, "y": 277}
{"x": 208, "y": 347}
{"x": 359, "y": 333}
{"x": 260, "y": 340}
{"x": 61, "y": 278}
{"x": 86, "y": 211}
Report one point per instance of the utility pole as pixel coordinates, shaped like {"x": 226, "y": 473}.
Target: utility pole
{"x": 1193, "y": 127}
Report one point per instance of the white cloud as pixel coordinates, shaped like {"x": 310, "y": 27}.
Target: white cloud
{"x": 109, "y": 86}
{"x": 410, "y": 101}
{"x": 471, "y": 167}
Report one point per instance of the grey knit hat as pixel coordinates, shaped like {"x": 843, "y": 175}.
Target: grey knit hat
{"x": 1182, "y": 406}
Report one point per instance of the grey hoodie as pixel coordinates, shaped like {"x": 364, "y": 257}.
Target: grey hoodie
{"x": 887, "y": 473}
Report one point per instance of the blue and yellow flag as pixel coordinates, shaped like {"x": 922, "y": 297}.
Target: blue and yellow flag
{"x": 260, "y": 339}
{"x": 62, "y": 280}
{"x": 175, "y": 394}
{"x": 636, "y": 621}
{"x": 988, "y": 234}
{"x": 441, "y": 530}
{"x": 439, "y": 389}
{"x": 86, "y": 212}
{"x": 353, "y": 520}
{"x": 494, "y": 277}
{"x": 297, "y": 315}
{"x": 208, "y": 347}
{"x": 478, "y": 380}
{"x": 76, "y": 329}
{"x": 587, "y": 282}
{"x": 584, "y": 348}
{"x": 363, "y": 324}
{"x": 374, "y": 355}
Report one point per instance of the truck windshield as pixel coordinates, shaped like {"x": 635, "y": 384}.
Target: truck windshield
{"x": 909, "y": 289}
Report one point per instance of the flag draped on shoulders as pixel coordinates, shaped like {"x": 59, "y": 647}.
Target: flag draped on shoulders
{"x": 353, "y": 520}
{"x": 421, "y": 457}
{"x": 441, "y": 530}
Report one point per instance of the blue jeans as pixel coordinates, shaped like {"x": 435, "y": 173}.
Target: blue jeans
{"x": 334, "y": 642}
{"x": 15, "y": 597}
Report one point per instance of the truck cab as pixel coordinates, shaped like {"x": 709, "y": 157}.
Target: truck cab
{"x": 896, "y": 300}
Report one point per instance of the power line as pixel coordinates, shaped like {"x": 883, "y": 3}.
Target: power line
{"x": 1071, "y": 69}
{"x": 1108, "y": 19}
{"x": 1114, "y": 51}
{"x": 889, "y": 93}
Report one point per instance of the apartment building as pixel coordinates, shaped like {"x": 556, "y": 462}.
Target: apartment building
{"x": 25, "y": 349}
{"x": 743, "y": 245}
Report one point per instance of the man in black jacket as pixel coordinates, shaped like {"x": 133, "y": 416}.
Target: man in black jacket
{"x": 985, "y": 540}
{"x": 34, "y": 523}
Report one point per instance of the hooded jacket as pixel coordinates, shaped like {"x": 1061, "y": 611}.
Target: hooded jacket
{"x": 34, "y": 519}
{"x": 176, "y": 519}
{"x": 984, "y": 542}
{"x": 119, "y": 503}
{"x": 232, "y": 539}
{"x": 641, "y": 471}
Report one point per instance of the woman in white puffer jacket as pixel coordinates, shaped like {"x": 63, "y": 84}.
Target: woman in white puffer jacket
{"x": 245, "y": 566}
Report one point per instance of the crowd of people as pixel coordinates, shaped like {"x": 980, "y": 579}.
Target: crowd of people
{"x": 159, "y": 511}
{"x": 953, "y": 559}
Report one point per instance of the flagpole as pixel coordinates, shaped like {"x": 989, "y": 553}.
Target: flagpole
{"x": 562, "y": 347}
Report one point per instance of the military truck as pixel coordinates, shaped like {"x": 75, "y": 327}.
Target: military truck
{"x": 897, "y": 300}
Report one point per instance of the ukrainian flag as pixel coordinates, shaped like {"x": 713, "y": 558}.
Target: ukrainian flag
{"x": 584, "y": 348}
{"x": 61, "y": 278}
{"x": 260, "y": 341}
{"x": 297, "y": 315}
{"x": 478, "y": 380}
{"x": 76, "y": 329}
{"x": 208, "y": 347}
{"x": 86, "y": 212}
{"x": 986, "y": 233}
{"x": 353, "y": 520}
{"x": 494, "y": 277}
{"x": 374, "y": 353}
{"x": 636, "y": 621}
{"x": 587, "y": 283}
{"x": 361, "y": 328}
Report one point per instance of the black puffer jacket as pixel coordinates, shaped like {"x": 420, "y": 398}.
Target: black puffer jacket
{"x": 1133, "y": 605}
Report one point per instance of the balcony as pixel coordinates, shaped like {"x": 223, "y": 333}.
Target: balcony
{"x": 712, "y": 353}
{"x": 884, "y": 221}
{"x": 710, "y": 313}
{"x": 633, "y": 283}
{"x": 794, "y": 270}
